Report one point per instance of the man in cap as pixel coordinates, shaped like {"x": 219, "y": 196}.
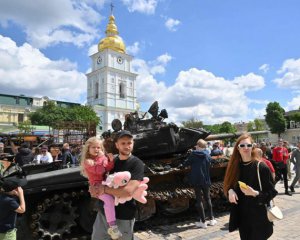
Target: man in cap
{"x": 45, "y": 156}
{"x": 11, "y": 202}
{"x": 125, "y": 213}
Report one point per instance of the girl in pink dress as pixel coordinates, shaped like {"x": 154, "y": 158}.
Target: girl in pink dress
{"x": 94, "y": 166}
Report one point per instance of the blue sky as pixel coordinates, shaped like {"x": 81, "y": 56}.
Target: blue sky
{"x": 211, "y": 60}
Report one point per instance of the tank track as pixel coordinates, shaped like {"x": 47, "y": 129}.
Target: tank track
{"x": 56, "y": 217}
{"x": 216, "y": 191}
{"x": 161, "y": 218}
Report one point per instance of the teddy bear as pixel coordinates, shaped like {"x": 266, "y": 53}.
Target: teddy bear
{"x": 120, "y": 179}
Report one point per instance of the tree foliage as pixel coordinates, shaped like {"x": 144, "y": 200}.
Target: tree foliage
{"x": 227, "y": 127}
{"x": 192, "y": 123}
{"x": 250, "y": 126}
{"x": 214, "y": 129}
{"x": 259, "y": 124}
{"x": 295, "y": 117}
{"x": 275, "y": 118}
{"x": 50, "y": 114}
{"x": 25, "y": 127}
{"x": 256, "y": 125}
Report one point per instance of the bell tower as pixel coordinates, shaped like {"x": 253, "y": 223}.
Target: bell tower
{"x": 111, "y": 85}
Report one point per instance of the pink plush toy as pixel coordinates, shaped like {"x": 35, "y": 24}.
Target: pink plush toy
{"x": 120, "y": 179}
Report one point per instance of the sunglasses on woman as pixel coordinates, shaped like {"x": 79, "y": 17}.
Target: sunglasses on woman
{"x": 248, "y": 145}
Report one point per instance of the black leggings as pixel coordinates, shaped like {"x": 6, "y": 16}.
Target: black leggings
{"x": 203, "y": 192}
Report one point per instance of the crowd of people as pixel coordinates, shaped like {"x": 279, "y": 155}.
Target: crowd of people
{"x": 68, "y": 155}
{"x": 249, "y": 164}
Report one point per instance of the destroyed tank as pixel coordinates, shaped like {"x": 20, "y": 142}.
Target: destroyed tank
{"x": 59, "y": 205}
{"x": 163, "y": 147}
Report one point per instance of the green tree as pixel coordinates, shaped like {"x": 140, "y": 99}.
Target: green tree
{"x": 275, "y": 118}
{"x": 192, "y": 123}
{"x": 214, "y": 129}
{"x": 256, "y": 125}
{"x": 295, "y": 117}
{"x": 250, "y": 126}
{"x": 50, "y": 114}
{"x": 227, "y": 127}
{"x": 259, "y": 124}
{"x": 25, "y": 127}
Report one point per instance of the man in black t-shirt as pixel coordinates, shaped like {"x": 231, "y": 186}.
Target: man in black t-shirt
{"x": 125, "y": 213}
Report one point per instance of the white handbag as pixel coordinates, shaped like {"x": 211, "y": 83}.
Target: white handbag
{"x": 273, "y": 212}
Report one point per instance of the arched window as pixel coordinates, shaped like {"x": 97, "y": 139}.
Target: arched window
{"x": 122, "y": 90}
{"x": 96, "y": 90}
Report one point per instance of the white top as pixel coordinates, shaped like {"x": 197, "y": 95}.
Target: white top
{"x": 44, "y": 158}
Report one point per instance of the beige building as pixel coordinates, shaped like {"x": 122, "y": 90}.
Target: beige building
{"x": 14, "y": 109}
{"x": 291, "y": 134}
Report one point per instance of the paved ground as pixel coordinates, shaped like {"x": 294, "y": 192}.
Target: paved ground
{"x": 286, "y": 229}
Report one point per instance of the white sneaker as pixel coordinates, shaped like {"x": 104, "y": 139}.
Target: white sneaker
{"x": 114, "y": 232}
{"x": 212, "y": 222}
{"x": 201, "y": 224}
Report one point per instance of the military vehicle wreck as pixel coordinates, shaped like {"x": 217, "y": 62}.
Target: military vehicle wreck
{"x": 59, "y": 205}
{"x": 163, "y": 147}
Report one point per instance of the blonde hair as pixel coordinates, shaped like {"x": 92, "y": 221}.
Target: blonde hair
{"x": 258, "y": 153}
{"x": 85, "y": 154}
{"x": 201, "y": 143}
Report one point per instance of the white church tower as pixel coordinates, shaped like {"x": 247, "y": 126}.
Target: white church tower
{"x": 111, "y": 86}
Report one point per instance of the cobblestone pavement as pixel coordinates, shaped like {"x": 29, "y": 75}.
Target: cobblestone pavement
{"x": 286, "y": 229}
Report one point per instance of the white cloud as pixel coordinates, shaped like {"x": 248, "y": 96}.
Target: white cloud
{"x": 151, "y": 68}
{"x": 264, "y": 68}
{"x": 164, "y": 59}
{"x": 197, "y": 93}
{"x": 291, "y": 74}
{"x": 250, "y": 82}
{"x": 158, "y": 66}
{"x": 294, "y": 104}
{"x": 148, "y": 88}
{"x": 257, "y": 101}
{"x": 257, "y": 113}
{"x": 133, "y": 49}
{"x": 25, "y": 70}
{"x": 52, "y": 22}
{"x": 204, "y": 96}
{"x": 93, "y": 49}
{"x": 142, "y": 6}
{"x": 172, "y": 24}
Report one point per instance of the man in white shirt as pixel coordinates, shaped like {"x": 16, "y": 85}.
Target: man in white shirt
{"x": 45, "y": 156}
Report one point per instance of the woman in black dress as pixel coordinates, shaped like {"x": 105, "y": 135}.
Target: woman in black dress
{"x": 248, "y": 213}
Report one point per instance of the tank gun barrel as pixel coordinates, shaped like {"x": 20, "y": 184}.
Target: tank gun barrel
{"x": 232, "y": 135}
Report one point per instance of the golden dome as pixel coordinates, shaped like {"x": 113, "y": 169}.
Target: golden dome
{"x": 112, "y": 40}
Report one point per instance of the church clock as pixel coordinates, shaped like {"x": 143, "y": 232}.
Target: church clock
{"x": 120, "y": 60}
{"x": 99, "y": 60}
